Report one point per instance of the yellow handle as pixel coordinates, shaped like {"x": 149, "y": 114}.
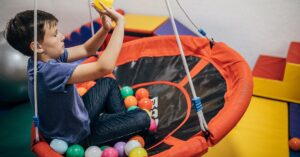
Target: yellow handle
{"x": 108, "y": 3}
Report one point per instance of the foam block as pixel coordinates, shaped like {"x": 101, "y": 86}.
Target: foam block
{"x": 167, "y": 29}
{"x": 285, "y": 90}
{"x": 262, "y": 131}
{"x": 143, "y": 23}
{"x": 294, "y": 53}
{"x": 294, "y": 120}
{"x": 269, "y": 67}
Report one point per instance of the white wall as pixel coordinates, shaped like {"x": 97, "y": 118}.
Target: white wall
{"x": 251, "y": 27}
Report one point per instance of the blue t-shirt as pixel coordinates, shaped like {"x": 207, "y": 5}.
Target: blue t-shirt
{"x": 61, "y": 110}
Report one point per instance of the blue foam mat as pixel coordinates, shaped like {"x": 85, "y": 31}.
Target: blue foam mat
{"x": 294, "y": 120}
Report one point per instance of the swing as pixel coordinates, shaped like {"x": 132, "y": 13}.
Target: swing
{"x": 220, "y": 76}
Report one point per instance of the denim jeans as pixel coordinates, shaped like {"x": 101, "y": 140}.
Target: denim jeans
{"x": 110, "y": 122}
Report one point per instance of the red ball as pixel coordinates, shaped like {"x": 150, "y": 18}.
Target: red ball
{"x": 130, "y": 101}
{"x": 141, "y": 93}
{"x": 145, "y": 103}
{"x": 294, "y": 144}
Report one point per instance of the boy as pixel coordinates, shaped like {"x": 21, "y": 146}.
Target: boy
{"x": 99, "y": 117}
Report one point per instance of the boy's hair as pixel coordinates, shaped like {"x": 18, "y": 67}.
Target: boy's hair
{"x": 20, "y": 29}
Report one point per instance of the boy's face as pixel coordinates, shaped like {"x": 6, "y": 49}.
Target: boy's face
{"x": 53, "y": 44}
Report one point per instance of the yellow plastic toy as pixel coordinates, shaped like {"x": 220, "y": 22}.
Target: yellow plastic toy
{"x": 108, "y": 3}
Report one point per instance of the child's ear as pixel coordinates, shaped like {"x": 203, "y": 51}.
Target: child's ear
{"x": 39, "y": 47}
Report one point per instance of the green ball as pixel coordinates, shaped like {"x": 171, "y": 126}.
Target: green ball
{"x": 126, "y": 91}
{"x": 75, "y": 151}
{"x": 103, "y": 147}
{"x": 132, "y": 108}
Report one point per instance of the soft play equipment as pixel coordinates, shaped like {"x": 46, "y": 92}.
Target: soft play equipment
{"x": 278, "y": 78}
{"x": 221, "y": 78}
{"x": 144, "y": 24}
{"x": 13, "y": 78}
{"x": 294, "y": 120}
{"x": 166, "y": 29}
{"x": 137, "y": 26}
{"x": 262, "y": 131}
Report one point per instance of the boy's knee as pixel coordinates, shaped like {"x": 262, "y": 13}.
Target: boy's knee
{"x": 142, "y": 117}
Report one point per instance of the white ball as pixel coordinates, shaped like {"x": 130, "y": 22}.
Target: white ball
{"x": 93, "y": 151}
{"x": 131, "y": 145}
{"x": 59, "y": 146}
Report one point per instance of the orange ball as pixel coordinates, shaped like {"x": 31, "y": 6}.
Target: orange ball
{"x": 130, "y": 101}
{"x": 81, "y": 91}
{"x": 139, "y": 139}
{"x": 145, "y": 103}
{"x": 294, "y": 144}
{"x": 142, "y": 93}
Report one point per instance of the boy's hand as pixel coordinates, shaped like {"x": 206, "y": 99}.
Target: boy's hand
{"x": 115, "y": 16}
{"x": 106, "y": 23}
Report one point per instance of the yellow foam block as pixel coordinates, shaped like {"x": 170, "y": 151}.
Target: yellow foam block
{"x": 287, "y": 90}
{"x": 262, "y": 132}
{"x": 143, "y": 23}
{"x": 108, "y": 3}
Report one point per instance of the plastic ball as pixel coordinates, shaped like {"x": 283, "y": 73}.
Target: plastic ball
{"x": 130, "y": 101}
{"x": 294, "y": 144}
{"x": 81, "y": 91}
{"x": 75, "y": 151}
{"x": 138, "y": 152}
{"x": 107, "y": 3}
{"x": 103, "y": 147}
{"x": 126, "y": 91}
{"x": 142, "y": 93}
{"x": 110, "y": 152}
{"x": 120, "y": 147}
{"x": 93, "y": 151}
{"x": 139, "y": 139}
{"x": 148, "y": 112}
{"x": 130, "y": 145}
{"x": 59, "y": 146}
{"x": 132, "y": 108}
{"x": 153, "y": 126}
{"x": 145, "y": 103}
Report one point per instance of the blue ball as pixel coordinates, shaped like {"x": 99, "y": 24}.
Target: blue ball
{"x": 59, "y": 146}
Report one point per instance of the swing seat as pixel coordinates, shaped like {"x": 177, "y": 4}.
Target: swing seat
{"x": 221, "y": 77}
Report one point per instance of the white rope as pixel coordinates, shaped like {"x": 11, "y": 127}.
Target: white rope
{"x": 35, "y": 70}
{"x": 187, "y": 15}
{"x": 202, "y": 121}
{"x": 91, "y": 17}
{"x": 190, "y": 19}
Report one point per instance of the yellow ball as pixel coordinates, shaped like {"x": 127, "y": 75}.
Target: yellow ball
{"x": 138, "y": 152}
{"x": 107, "y": 3}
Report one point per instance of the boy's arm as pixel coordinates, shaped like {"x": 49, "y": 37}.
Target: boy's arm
{"x": 89, "y": 48}
{"x": 106, "y": 62}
